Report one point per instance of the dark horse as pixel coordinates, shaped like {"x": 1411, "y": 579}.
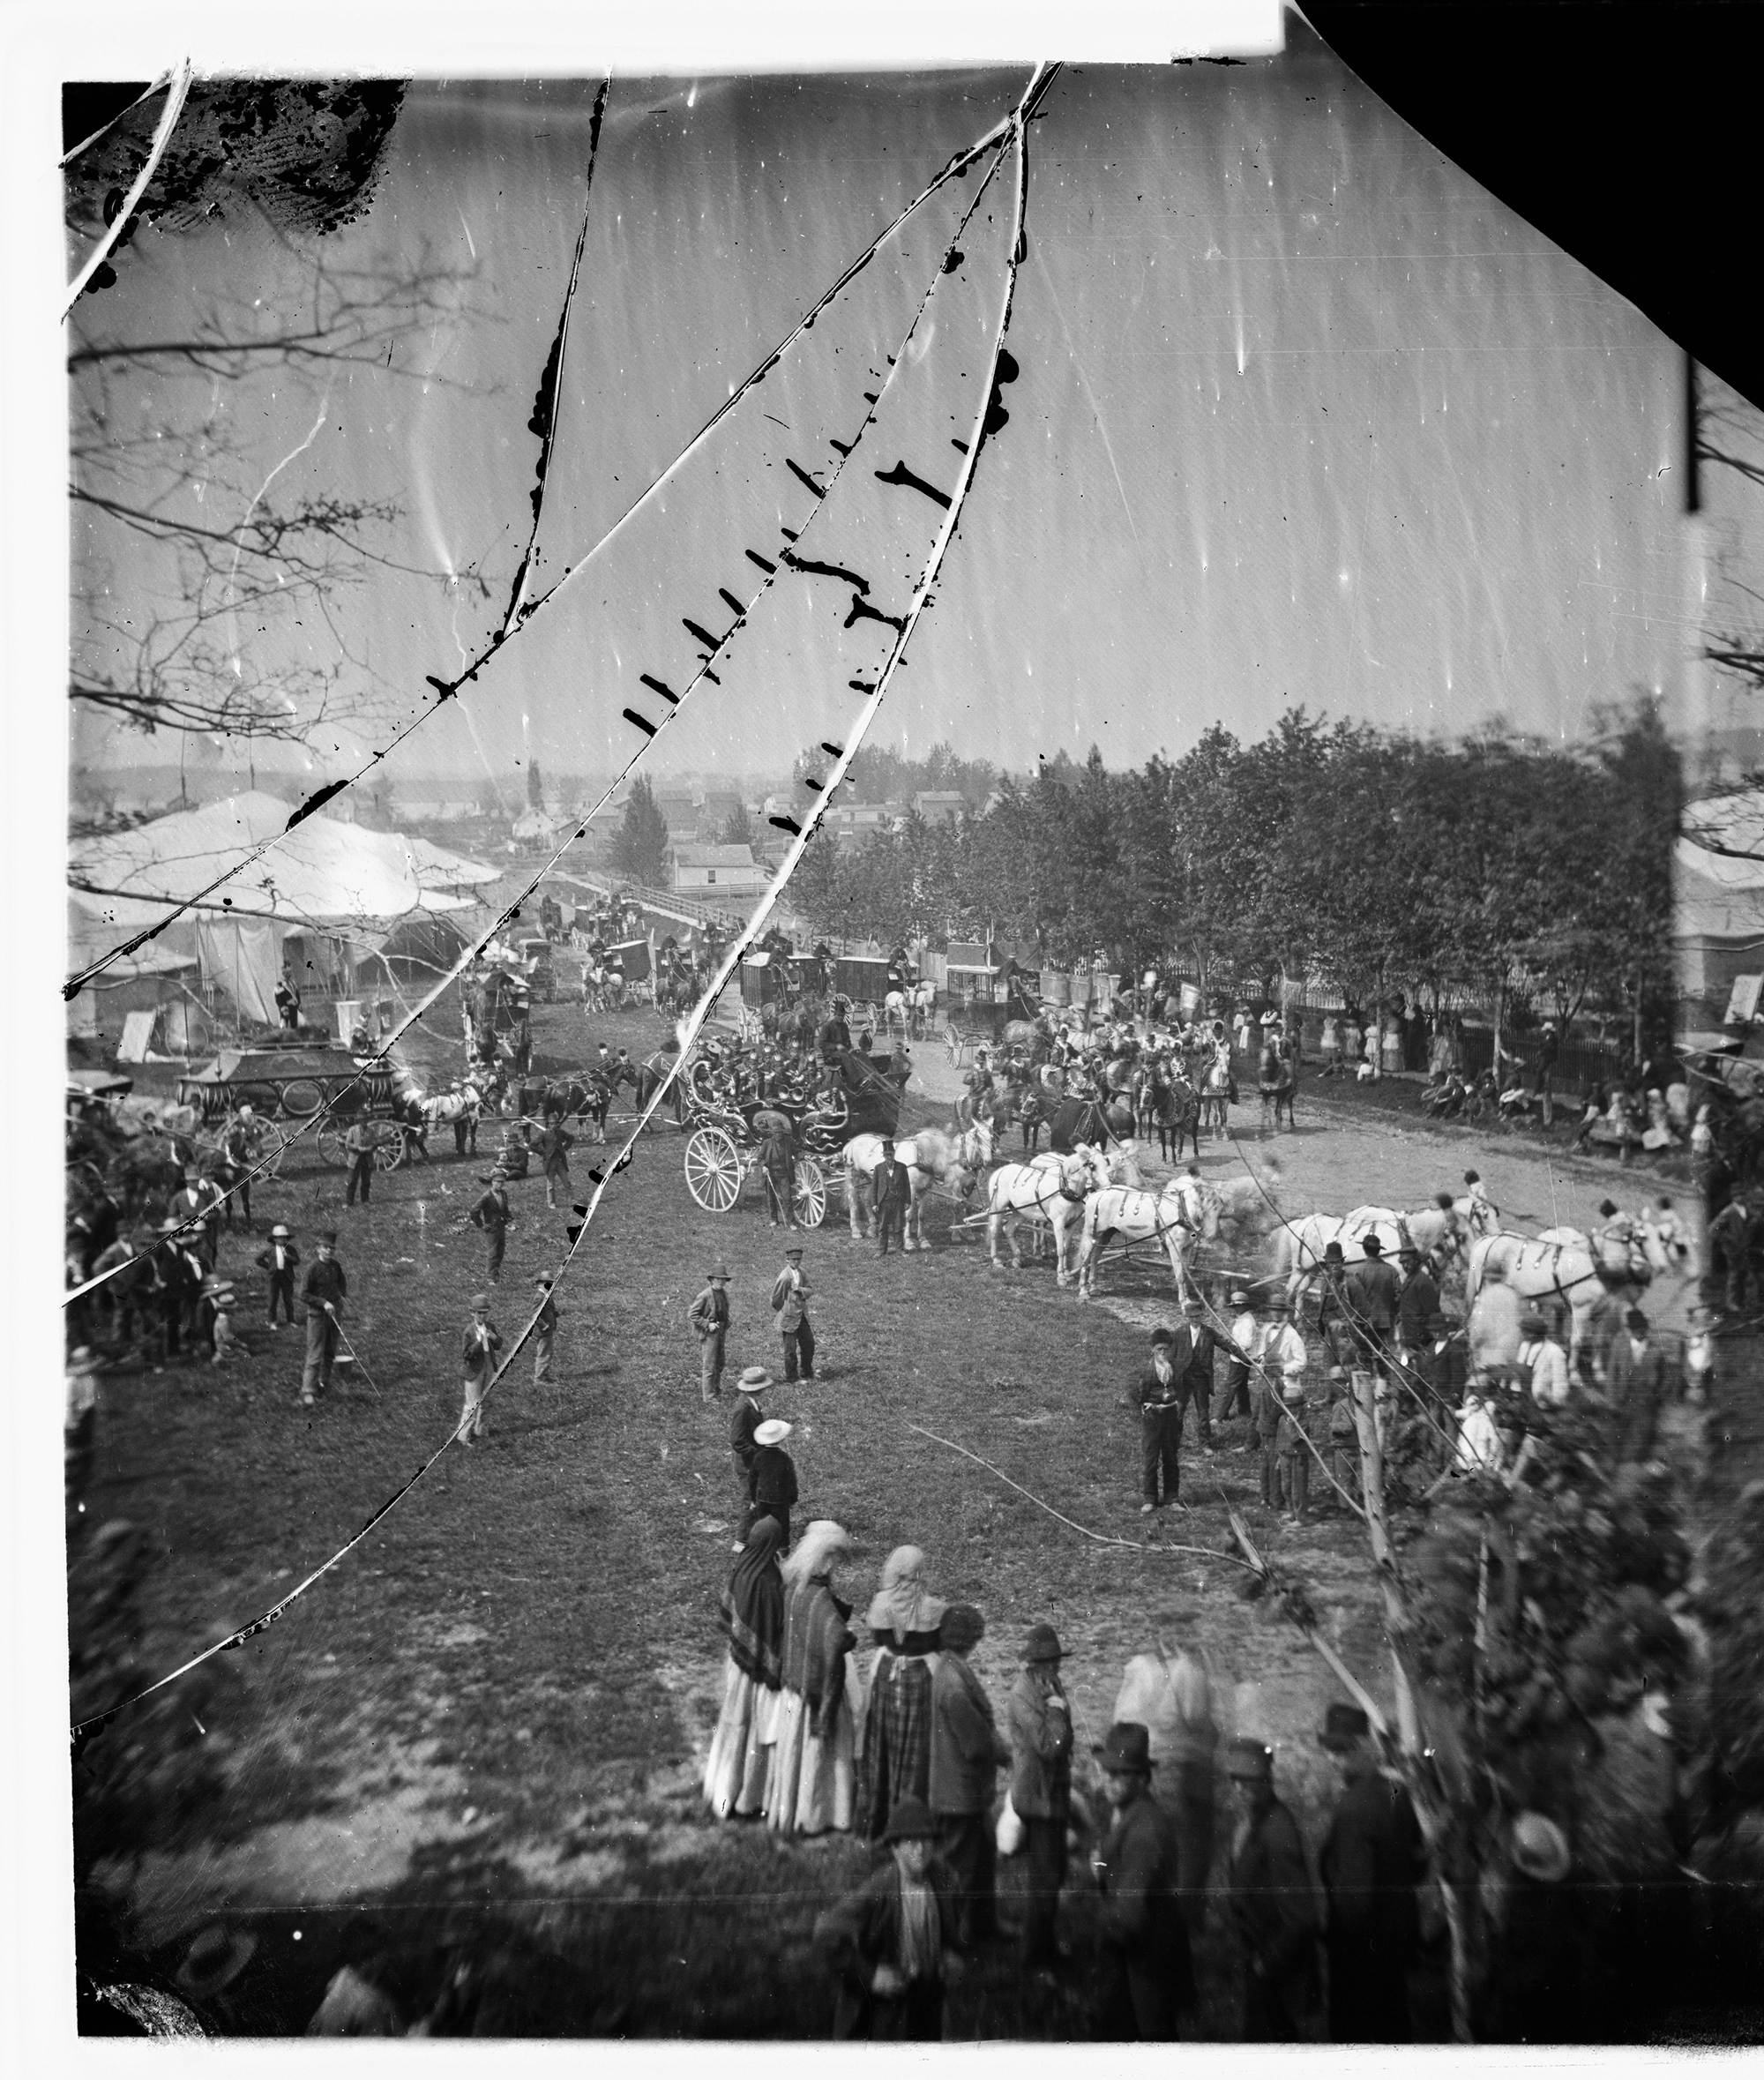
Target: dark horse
{"x": 1171, "y": 1104}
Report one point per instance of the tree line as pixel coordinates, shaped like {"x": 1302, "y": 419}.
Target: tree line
{"x": 1521, "y": 873}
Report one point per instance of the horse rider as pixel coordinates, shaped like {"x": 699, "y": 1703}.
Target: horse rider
{"x": 835, "y": 1034}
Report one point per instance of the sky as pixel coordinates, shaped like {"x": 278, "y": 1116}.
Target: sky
{"x": 1302, "y": 416}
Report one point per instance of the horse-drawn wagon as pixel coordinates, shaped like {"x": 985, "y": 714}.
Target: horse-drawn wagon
{"x": 295, "y": 1083}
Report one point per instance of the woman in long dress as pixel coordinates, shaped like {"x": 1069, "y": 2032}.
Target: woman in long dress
{"x": 812, "y": 1781}
{"x": 894, "y": 1759}
{"x": 751, "y": 1614}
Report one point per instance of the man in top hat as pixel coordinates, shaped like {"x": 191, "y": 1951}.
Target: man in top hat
{"x": 891, "y": 1192}
{"x": 1146, "y": 1974}
{"x": 1372, "y": 1300}
{"x": 771, "y": 1480}
{"x": 967, "y": 1750}
{"x": 1371, "y": 1863}
{"x": 326, "y": 1288}
{"x": 1038, "y": 1720}
{"x": 280, "y": 1260}
{"x": 483, "y": 1340}
{"x": 892, "y": 1943}
{"x": 790, "y": 1304}
{"x": 495, "y": 1215}
{"x": 1273, "y": 1910}
{"x": 544, "y": 1331}
{"x": 709, "y": 1316}
{"x": 745, "y": 1421}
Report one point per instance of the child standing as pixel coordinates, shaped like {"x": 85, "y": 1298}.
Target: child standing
{"x": 280, "y": 1259}
{"x": 483, "y": 1341}
{"x": 1291, "y": 1450}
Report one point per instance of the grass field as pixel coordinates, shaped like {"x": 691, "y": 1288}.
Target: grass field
{"x": 498, "y": 1706}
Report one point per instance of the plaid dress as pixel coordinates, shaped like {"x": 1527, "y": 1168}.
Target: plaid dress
{"x": 896, "y": 1761}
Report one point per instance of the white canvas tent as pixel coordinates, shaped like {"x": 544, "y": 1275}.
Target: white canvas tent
{"x": 324, "y": 880}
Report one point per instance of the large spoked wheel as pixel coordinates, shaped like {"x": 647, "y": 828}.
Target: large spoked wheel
{"x": 389, "y": 1154}
{"x": 331, "y": 1146}
{"x": 302, "y": 1098}
{"x": 268, "y": 1146}
{"x": 714, "y": 1170}
{"x": 811, "y": 1199}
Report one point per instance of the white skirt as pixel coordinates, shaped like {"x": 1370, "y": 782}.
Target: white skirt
{"x": 813, "y": 1778}
{"x": 737, "y": 1768}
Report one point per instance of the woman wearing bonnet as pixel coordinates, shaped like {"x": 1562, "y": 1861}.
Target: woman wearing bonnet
{"x": 894, "y": 1759}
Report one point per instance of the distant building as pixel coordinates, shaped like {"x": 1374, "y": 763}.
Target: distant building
{"x": 851, "y": 822}
{"x": 939, "y": 805}
{"x": 715, "y": 812}
{"x": 730, "y": 870}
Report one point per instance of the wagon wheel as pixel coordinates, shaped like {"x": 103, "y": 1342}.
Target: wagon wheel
{"x": 714, "y": 1170}
{"x": 812, "y": 1198}
{"x": 390, "y": 1153}
{"x": 302, "y": 1098}
{"x": 269, "y": 1145}
{"x": 331, "y": 1146}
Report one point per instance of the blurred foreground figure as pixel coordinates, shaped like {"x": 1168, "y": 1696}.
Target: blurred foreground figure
{"x": 891, "y": 1943}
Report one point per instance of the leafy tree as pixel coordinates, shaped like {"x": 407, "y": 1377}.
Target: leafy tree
{"x": 640, "y": 848}
{"x": 535, "y": 792}
{"x": 738, "y": 828}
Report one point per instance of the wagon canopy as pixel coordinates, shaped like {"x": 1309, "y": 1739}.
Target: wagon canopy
{"x": 634, "y": 954}
{"x": 862, "y": 977}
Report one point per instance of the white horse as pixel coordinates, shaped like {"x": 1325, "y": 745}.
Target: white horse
{"x": 1182, "y": 1216}
{"x": 1539, "y": 1268}
{"x": 1050, "y": 1192}
{"x": 1300, "y": 1245}
{"x": 931, "y": 1157}
{"x": 896, "y": 1010}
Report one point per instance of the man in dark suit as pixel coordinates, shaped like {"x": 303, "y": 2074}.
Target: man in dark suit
{"x": 1159, "y": 1394}
{"x": 1636, "y": 1371}
{"x": 1192, "y": 1354}
{"x": 1273, "y": 1912}
{"x": 1145, "y": 1976}
{"x": 747, "y": 1419}
{"x": 1371, "y": 1298}
{"x": 891, "y": 1192}
{"x": 1369, "y": 1865}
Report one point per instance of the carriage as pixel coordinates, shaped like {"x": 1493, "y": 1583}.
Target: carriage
{"x": 295, "y": 1083}
{"x": 722, "y": 1148}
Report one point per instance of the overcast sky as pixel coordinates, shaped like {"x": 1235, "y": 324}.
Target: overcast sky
{"x": 1302, "y": 416}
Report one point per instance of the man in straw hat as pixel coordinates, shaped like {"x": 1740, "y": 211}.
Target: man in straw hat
{"x": 967, "y": 1750}
{"x": 709, "y": 1316}
{"x": 770, "y": 1479}
{"x": 482, "y": 1341}
{"x": 891, "y": 1944}
{"x": 1273, "y": 1910}
{"x": 748, "y": 1415}
{"x": 326, "y": 1288}
{"x": 1371, "y": 1863}
{"x": 1039, "y": 1722}
{"x": 280, "y": 1260}
{"x": 1145, "y": 1976}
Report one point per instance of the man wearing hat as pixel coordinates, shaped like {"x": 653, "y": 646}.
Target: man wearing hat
{"x": 967, "y": 1750}
{"x": 544, "y": 1331}
{"x": 1371, "y": 1863}
{"x": 359, "y": 1144}
{"x": 1161, "y": 1394}
{"x": 1372, "y": 1301}
{"x": 790, "y": 1304}
{"x": 891, "y": 1192}
{"x": 771, "y": 1480}
{"x": 483, "y": 1341}
{"x": 1334, "y": 1314}
{"x": 745, "y": 1421}
{"x": 1494, "y": 1323}
{"x": 710, "y": 1319}
{"x": 494, "y": 1214}
{"x": 891, "y": 1944}
{"x": 281, "y": 1261}
{"x": 1273, "y": 1908}
{"x": 1146, "y": 1974}
{"x": 1606, "y": 1321}
{"x": 1637, "y": 1376}
{"x": 1038, "y": 1721}
{"x": 326, "y": 1288}
{"x": 1191, "y": 1352}
{"x": 1542, "y": 1365}
{"x": 1416, "y": 1305}
{"x": 1246, "y": 1336}
{"x": 196, "y": 1206}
